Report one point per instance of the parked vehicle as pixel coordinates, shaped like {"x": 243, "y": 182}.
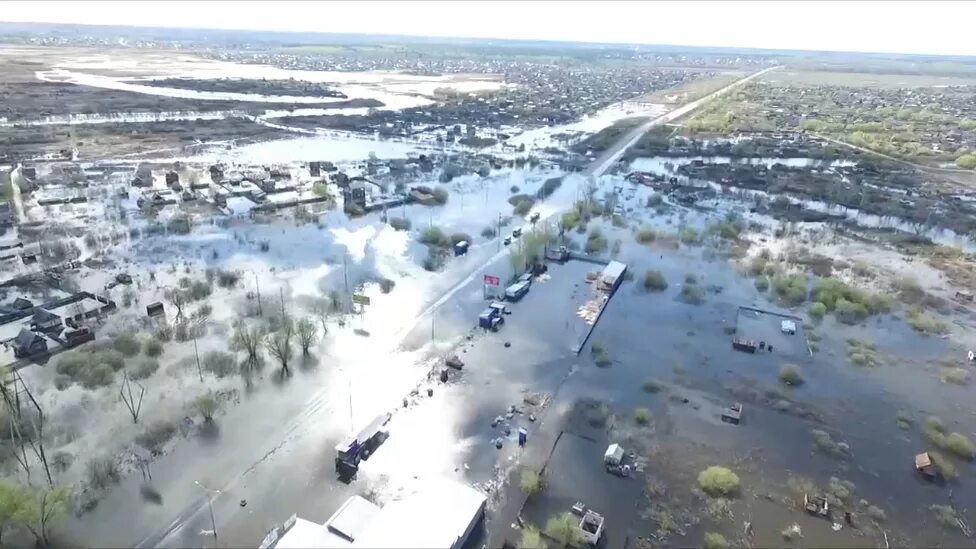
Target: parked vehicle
{"x": 358, "y": 448}
{"x": 516, "y": 291}
{"x": 517, "y": 232}
{"x": 491, "y": 318}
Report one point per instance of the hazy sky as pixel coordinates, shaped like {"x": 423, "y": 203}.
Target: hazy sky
{"x": 902, "y": 27}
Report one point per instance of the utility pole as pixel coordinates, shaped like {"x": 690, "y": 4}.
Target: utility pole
{"x": 197, "y": 353}
{"x": 281, "y": 295}
{"x": 257, "y": 287}
{"x": 499, "y": 232}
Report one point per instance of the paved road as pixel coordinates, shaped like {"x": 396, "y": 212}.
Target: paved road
{"x": 288, "y": 477}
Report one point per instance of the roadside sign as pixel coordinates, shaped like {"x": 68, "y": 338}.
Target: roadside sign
{"x": 492, "y": 280}
{"x": 361, "y": 299}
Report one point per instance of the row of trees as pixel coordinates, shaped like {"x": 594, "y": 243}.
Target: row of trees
{"x": 279, "y": 343}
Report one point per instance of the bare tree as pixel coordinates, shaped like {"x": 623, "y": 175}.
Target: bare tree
{"x": 279, "y": 346}
{"x": 125, "y": 391}
{"x": 177, "y": 298}
{"x": 307, "y": 334}
{"x": 322, "y": 308}
{"x": 247, "y": 338}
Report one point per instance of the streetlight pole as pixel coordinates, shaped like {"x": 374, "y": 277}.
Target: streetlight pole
{"x": 213, "y": 521}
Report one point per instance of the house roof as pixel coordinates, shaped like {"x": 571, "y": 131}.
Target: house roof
{"x": 26, "y": 338}
{"x": 40, "y": 315}
{"x": 21, "y": 303}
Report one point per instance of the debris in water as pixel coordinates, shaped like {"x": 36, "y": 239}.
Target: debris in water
{"x": 243, "y": 503}
{"x": 836, "y": 526}
{"x": 508, "y": 344}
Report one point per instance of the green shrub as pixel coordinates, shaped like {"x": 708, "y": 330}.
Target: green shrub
{"x": 903, "y": 420}
{"x": 434, "y": 260}
{"x": 955, "y": 374}
{"x": 523, "y": 207}
{"x": 155, "y": 436}
{"x": 569, "y": 220}
{"x": 564, "y": 529}
{"x": 440, "y": 196}
{"x": 400, "y": 223}
{"x": 762, "y": 284}
{"x": 595, "y": 242}
{"x": 434, "y": 236}
{"x": 943, "y": 465}
{"x": 654, "y": 281}
{"x": 958, "y": 444}
{"x": 152, "y": 348}
{"x": 219, "y": 363}
{"x": 791, "y": 289}
{"x": 691, "y": 279}
{"x": 652, "y": 386}
{"x": 714, "y": 540}
{"x": 200, "y": 290}
{"x": 876, "y": 513}
{"x": 645, "y": 235}
{"x": 460, "y": 237}
{"x": 642, "y": 416}
{"x": 96, "y": 375}
{"x": 530, "y": 482}
{"x": 531, "y": 538}
{"x": 924, "y": 324}
{"x": 757, "y": 266}
{"x": 488, "y": 232}
{"x": 655, "y": 200}
{"x": 789, "y": 374}
{"x": 688, "y": 235}
{"x": 825, "y": 443}
{"x": 691, "y": 293}
{"x": 718, "y": 481}
{"x": 934, "y": 431}
{"x": 946, "y": 516}
{"x": 127, "y": 344}
{"x": 817, "y": 310}
{"x": 143, "y": 369}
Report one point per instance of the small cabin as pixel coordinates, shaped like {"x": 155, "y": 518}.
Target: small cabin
{"x": 924, "y": 465}
{"x": 154, "y": 309}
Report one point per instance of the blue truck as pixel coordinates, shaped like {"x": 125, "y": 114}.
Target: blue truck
{"x": 492, "y": 317}
{"x": 356, "y": 448}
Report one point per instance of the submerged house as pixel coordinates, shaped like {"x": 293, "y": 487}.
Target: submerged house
{"x": 45, "y": 321}
{"x": 28, "y": 343}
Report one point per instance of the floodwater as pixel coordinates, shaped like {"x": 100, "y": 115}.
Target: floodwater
{"x": 396, "y": 91}
{"x": 333, "y": 148}
{"x": 540, "y": 138}
{"x": 668, "y": 166}
{"x": 685, "y": 347}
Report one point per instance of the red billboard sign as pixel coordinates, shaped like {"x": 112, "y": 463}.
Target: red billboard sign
{"x": 492, "y": 280}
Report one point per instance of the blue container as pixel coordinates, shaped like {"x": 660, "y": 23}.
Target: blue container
{"x": 523, "y": 436}
{"x": 461, "y": 248}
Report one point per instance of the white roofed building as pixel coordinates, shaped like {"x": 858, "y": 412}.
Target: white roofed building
{"x": 401, "y": 524}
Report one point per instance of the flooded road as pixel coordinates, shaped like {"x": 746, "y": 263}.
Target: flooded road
{"x": 281, "y": 462}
